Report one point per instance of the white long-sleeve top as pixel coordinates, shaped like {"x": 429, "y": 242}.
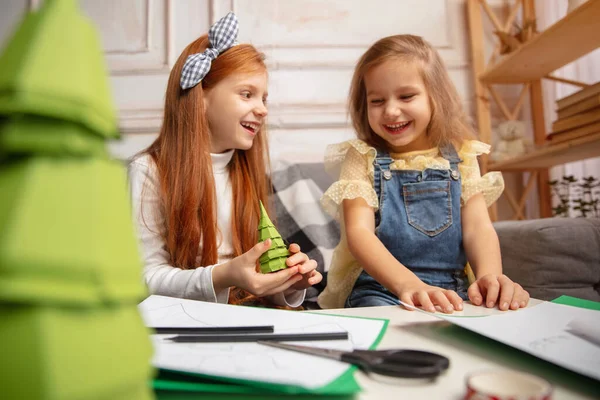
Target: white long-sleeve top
{"x": 168, "y": 280}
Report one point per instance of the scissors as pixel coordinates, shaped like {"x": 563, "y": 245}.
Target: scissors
{"x": 393, "y": 363}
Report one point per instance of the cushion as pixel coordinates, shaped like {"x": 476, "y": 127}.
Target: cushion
{"x": 553, "y": 256}
{"x": 300, "y": 219}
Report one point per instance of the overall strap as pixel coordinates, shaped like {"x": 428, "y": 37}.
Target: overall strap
{"x": 381, "y": 170}
{"x": 449, "y": 153}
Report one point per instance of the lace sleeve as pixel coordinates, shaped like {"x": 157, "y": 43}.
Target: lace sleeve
{"x": 490, "y": 185}
{"x": 355, "y": 177}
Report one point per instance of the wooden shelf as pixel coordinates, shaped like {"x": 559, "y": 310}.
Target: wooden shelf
{"x": 577, "y": 34}
{"x": 553, "y": 154}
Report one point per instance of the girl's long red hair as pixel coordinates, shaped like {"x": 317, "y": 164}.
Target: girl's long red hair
{"x": 182, "y": 157}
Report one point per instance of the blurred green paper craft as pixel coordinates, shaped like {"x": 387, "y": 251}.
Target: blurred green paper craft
{"x": 67, "y": 236}
{"x": 274, "y": 258}
{"x": 53, "y": 67}
{"x": 73, "y": 353}
{"x": 70, "y": 273}
{"x": 28, "y": 134}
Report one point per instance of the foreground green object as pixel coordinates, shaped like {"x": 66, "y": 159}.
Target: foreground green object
{"x": 70, "y": 273}
{"x": 73, "y": 352}
{"x": 53, "y": 67}
{"x": 274, "y": 258}
{"x": 66, "y": 235}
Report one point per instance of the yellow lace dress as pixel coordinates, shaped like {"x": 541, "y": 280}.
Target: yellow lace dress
{"x": 352, "y": 161}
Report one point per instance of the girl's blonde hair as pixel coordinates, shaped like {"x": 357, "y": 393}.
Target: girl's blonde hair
{"x": 449, "y": 123}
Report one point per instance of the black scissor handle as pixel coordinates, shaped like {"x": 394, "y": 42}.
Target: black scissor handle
{"x": 399, "y": 363}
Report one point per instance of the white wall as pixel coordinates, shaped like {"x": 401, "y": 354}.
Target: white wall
{"x": 311, "y": 48}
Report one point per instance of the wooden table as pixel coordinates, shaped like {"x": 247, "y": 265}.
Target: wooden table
{"x": 468, "y": 352}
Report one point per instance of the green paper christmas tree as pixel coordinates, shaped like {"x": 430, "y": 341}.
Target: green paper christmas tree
{"x": 70, "y": 273}
{"x": 274, "y": 258}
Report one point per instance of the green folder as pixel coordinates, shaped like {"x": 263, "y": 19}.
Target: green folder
{"x": 179, "y": 385}
{"x": 575, "y": 302}
{"x": 172, "y": 385}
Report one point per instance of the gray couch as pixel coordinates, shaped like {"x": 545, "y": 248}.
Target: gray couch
{"x": 548, "y": 257}
{"x": 553, "y": 256}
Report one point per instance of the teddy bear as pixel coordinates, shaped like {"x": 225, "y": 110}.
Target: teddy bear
{"x": 510, "y": 141}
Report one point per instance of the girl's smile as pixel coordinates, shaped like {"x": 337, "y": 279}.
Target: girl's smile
{"x": 236, "y": 109}
{"x": 251, "y": 127}
{"x": 397, "y": 128}
{"x": 398, "y": 105}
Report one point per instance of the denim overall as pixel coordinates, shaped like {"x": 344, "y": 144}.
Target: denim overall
{"x": 419, "y": 222}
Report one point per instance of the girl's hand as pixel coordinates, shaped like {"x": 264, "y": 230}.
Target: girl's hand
{"x": 498, "y": 289}
{"x": 307, "y": 268}
{"x": 241, "y": 272}
{"x": 418, "y": 293}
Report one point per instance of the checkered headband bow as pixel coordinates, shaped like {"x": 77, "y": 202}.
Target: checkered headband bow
{"x": 221, "y": 36}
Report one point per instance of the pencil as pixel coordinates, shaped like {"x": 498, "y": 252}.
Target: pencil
{"x": 278, "y": 337}
{"x": 214, "y": 329}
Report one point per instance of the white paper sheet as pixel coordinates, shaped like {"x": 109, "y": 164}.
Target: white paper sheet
{"x": 251, "y": 361}
{"x": 544, "y": 330}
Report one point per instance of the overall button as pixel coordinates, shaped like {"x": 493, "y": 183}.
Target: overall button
{"x": 387, "y": 175}
{"x": 419, "y": 178}
{"x": 455, "y": 174}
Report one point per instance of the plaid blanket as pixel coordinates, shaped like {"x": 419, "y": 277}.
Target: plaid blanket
{"x": 298, "y": 214}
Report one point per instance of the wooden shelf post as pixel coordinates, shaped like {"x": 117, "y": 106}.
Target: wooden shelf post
{"x": 482, "y": 98}
{"x": 539, "y": 124}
